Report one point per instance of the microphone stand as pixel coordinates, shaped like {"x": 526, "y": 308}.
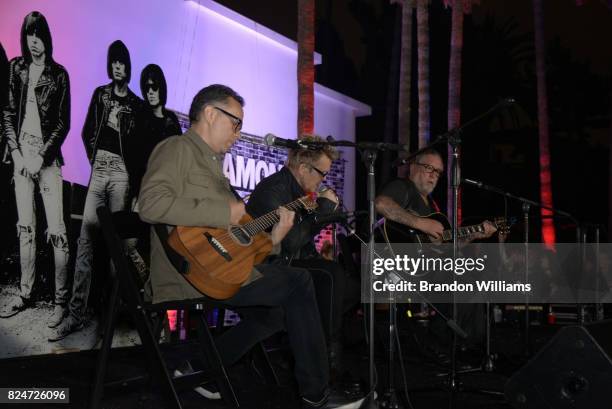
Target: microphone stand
{"x": 369, "y": 153}
{"x": 368, "y": 156}
{"x": 389, "y": 399}
{"x": 526, "y": 205}
{"x": 453, "y": 139}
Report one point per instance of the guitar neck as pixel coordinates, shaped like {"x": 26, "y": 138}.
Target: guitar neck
{"x": 400, "y": 232}
{"x": 462, "y": 232}
{"x": 266, "y": 221}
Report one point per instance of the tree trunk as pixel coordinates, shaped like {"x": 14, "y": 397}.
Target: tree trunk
{"x": 305, "y": 66}
{"x": 423, "y": 70}
{"x": 405, "y": 82}
{"x": 392, "y": 94}
{"x": 454, "y": 96}
{"x": 610, "y": 171}
{"x": 548, "y": 227}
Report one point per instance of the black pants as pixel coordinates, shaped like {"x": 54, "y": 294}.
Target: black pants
{"x": 284, "y": 298}
{"x": 332, "y": 291}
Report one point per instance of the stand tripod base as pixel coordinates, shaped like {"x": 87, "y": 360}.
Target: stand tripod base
{"x": 487, "y": 366}
{"x": 370, "y": 401}
{"x": 457, "y": 388}
{"x": 489, "y": 363}
{"x": 389, "y": 400}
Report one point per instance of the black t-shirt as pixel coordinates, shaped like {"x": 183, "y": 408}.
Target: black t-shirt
{"x": 405, "y": 193}
{"x": 109, "y": 134}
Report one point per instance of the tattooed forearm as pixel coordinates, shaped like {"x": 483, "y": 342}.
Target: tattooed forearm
{"x": 392, "y": 211}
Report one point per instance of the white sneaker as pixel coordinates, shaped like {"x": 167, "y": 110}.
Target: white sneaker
{"x": 208, "y": 389}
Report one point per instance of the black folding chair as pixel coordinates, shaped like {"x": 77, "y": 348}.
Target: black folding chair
{"x": 127, "y": 288}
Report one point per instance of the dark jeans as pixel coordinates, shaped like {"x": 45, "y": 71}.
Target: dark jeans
{"x": 284, "y": 297}
{"x": 328, "y": 280}
{"x": 336, "y": 293}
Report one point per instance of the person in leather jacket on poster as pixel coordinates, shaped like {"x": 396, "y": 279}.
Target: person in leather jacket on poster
{"x": 36, "y": 120}
{"x": 109, "y": 125}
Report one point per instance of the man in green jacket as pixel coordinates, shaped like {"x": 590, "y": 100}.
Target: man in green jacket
{"x": 184, "y": 185}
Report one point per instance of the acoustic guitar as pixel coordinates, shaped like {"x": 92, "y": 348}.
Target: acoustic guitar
{"x": 221, "y": 260}
{"x": 393, "y": 232}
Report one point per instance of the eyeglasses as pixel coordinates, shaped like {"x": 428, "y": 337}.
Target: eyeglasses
{"x": 153, "y": 86}
{"x": 319, "y": 171}
{"x": 235, "y": 120}
{"x": 430, "y": 169}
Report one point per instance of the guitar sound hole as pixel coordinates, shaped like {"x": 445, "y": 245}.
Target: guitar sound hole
{"x": 241, "y": 236}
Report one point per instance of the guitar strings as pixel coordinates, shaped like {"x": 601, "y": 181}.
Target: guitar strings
{"x": 263, "y": 222}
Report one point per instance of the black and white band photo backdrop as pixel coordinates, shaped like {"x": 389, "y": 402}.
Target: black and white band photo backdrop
{"x": 87, "y": 89}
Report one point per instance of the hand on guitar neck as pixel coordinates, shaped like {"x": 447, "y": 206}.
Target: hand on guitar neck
{"x": 435, "y": 230}
{"x": 489, "y": 229}
{"x": 280, "y": 229}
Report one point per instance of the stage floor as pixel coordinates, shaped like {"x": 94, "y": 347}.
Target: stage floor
{"x": 425, "y": 386}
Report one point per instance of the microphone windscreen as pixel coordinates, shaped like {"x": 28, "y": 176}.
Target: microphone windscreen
{"x": 269, "y": 139}
{"x": 322, "y": 189}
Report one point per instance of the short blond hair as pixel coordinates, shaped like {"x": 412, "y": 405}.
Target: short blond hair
{"x": 309, "y": 156}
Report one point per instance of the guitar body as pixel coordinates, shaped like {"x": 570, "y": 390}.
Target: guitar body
{"x": 399, "y": 233}
{"x": 393, "y": 232}
{"x": 220, "y": 260}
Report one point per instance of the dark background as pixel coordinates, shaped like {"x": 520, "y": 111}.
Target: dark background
{"x": 356, "y": 39}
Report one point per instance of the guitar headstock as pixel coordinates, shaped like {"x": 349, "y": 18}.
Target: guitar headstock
{"x": 309, "y": 202}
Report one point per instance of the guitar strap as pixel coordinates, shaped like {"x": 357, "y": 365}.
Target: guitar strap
{"x": 434, "y": 205}
{"x": 178, "y": 262}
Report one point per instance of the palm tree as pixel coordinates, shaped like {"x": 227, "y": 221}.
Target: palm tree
{"x": 422, "y": 8}
{"x": 548, "y": 228}
{"x": 305, "y": 66}
{"x": 392, "y": 91}
{"x": 454, "y": 73}
{"x": 405, "y": 78}
{"x": 454, "y": 93}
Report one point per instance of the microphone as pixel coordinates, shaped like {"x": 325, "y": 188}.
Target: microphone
{"x": 273, "y": 140}
{"x": 472, "y": 182}
{"x": 322, "y": 188}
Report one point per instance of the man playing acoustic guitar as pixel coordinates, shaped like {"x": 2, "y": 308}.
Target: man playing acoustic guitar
{"x": 184, "y": 185}
{"x": 405, "y": 201}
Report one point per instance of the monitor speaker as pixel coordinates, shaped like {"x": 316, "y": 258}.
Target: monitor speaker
{"x": 573, "y": 370}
